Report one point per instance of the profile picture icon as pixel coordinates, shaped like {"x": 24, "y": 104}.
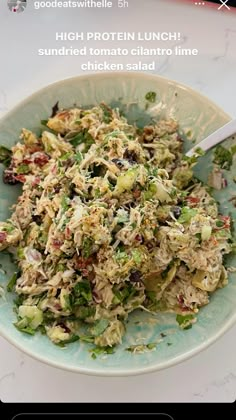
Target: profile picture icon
{"x": 17, "y": 6}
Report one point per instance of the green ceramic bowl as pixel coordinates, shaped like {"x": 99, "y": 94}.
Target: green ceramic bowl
{"x": 194, "y": 112}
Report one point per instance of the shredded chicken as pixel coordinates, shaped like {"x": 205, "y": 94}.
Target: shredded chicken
{"x": 110, "y": 219}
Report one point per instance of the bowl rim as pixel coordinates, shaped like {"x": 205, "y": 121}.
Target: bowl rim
{"x": 126, "y": 74}
{"x": 154, "y": 366}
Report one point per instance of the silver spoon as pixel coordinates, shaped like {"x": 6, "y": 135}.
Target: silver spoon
{"x": 215, "y": 138}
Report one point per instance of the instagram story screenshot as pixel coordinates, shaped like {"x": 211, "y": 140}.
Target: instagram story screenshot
{"x": 117, "y": 208}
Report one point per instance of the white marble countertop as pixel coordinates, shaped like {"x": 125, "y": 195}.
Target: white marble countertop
{"x": 211, "y": 375}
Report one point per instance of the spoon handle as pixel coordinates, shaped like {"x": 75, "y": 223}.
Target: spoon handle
{"x": 215, "y": 138}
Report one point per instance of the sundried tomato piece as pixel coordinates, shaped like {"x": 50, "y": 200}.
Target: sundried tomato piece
{"x": 3, "y": 236}
{"x": 57, "y": 243}
{"x": 40, "y": 158}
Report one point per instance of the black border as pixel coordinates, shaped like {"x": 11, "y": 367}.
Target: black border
{"x": 231, "y": 3}
{"x": 159, "y": 411}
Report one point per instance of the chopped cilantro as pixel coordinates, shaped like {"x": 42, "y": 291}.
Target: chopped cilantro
{"x": 123, "y": 294}
{"x": 107, "y": 113}
{"x": 233, "y": 150}
{"x": 20, "y": 253}
{"x": 199, "y": 237}
{"x": 22, "y": 325}
{"x": 87, "y": 338}
{"x": 151, "y": 296}
{"x": 41, "y": 329}
{"x": 87, "y": 247}
{"x": 141, "y": 348}
{"x": 151, "y": 346}
{"x": 65, "y": 201}
{"x": 219, "y": 223}
{"x": 223, "y": 157}
{"x": 99, "y": 327}
{"x": 12, "y": 282}
{"x": 151, "y": 97}
{"x": 78, "y": 157}
{"x": 19, "y": 300}
{"x": 64, "y": 223}
{"x": 82, "y": 137}
{"x": 191, "y": 160}
{"x": 185, "y": 321}
{"x": 96, "y": 351}
{"x": 84, "y": 312}
{"x": 199, "y": 151}
{"x": 68, "y": 302}
{"x": 72, "y": 339}
{"x": 23, "y": 169}
{"x": 66, "y": 156}
{"x": 5, "y": 155}
{"x": 83, "y": 289}
{"x": 8, "y": 228}
{"x": 44, "y": 123}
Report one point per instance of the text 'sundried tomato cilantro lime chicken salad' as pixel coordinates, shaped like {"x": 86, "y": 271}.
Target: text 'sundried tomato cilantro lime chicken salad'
{"x": 110, "y": 219}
